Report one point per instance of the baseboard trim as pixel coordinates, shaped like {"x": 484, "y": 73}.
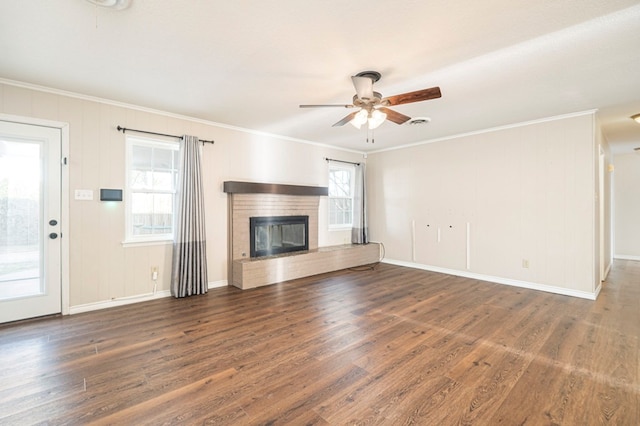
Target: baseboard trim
{"x": 626, "y": 257}
{"x": 95, "y": 306}
{"x": 607, "y": 270}
{"x": 598, "y": 290}
{"x": 218, "y": 284}
{"x": 498, "y": 280}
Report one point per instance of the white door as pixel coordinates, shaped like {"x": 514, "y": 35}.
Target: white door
{"x": 30, "y": 264}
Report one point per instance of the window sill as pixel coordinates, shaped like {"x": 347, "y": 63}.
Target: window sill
{"x": 137, "y": 243}
{"x": 340, "y": 228}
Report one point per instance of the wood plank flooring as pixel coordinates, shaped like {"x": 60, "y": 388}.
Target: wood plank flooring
{"x": 392, "y": 346}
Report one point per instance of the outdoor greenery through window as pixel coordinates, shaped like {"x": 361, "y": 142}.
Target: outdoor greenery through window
{"x": 340, "y": 196}
{"x": 152, "y": 177}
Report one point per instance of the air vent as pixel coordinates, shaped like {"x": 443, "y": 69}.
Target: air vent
{"x": 419, "y": 120}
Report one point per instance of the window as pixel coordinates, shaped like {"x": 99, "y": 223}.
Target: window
{"x": 152, "y": 177}
{"x": 340, "y": 196}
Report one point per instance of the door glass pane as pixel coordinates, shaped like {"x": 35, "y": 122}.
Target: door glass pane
{"x": 20, "y": 223}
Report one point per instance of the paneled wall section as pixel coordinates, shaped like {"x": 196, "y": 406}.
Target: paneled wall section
{"x": 101, "y": 269}
{"x": 516, "y": 203}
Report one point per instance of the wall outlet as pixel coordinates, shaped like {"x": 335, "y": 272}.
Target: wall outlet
{"x": 525, "y": 263}
{"x": 154, "y": 273}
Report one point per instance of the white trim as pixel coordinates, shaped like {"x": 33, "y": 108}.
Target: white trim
{"x": 606, "y": 272}
{"x": 134, "y": 243}
{"x": 65, "y": 191}
{"x": 338, "y": 228}
{"x": 625, "y": 257}
{"x": 64, "y": 198}
{"x": 167, "y": 114}
{"x": 597, "y": 292}
{"x": 498, "y": 280}
{"x": 488, "y": 130}
{"x": 96, "y": 306}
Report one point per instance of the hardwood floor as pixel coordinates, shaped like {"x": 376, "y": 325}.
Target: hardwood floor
{"x": 390, "y": 346}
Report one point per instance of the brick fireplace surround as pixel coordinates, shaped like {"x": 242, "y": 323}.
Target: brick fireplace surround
{"x": 249, "y": 199}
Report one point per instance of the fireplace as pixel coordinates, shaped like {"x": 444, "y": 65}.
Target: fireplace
{"x": 278, "y": 234}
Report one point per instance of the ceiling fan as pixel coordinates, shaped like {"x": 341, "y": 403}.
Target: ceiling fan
{"x": 372, "y": 106}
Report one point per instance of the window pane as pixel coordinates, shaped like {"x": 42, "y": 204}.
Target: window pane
{"x": 162, "y": 181}
{"x": 152, "y": 213}
{"x": 340, "y": 183}
{"x": 141, "y": 209}
{"x": 141, "y": 157}
{"x": 176, "y": 159}
{"x": 340, "y": 211}
{"x": 163, "y": 204}
{"x": 140, "y": 179}
{"x": 162, "y": 213}
{"x": 162, "y": 158}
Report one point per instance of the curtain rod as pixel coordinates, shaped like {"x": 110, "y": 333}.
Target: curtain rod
{"x": 341, "y": 161}
{"x": 123, "y": 130}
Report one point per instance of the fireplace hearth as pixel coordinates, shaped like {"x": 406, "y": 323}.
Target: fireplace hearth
{"x": 271, "y": 235}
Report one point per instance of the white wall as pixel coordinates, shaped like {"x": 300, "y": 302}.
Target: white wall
{"x": 526, "y": 193}
{"x": 100, "y": 268}
{"x": 627, "y": 206}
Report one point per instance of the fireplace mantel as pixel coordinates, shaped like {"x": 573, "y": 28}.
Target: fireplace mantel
{"x": 234, "y": 187}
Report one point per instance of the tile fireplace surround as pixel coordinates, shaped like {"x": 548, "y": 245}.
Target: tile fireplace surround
{"x": 248, "y": 199}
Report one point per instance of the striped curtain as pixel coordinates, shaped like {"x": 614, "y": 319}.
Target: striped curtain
{"x": 360, "y": 229}
{"x": 189, "y": 272}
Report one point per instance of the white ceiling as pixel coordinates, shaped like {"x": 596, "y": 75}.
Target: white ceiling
{"x": 250, "y": 63}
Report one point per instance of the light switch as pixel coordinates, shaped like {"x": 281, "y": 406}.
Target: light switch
{"x": 84, "y": 194}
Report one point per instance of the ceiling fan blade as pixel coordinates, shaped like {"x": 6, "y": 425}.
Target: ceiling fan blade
{"x": 346, "y": 119}
{"x": 328, "y": 106}
{"x": 417, "y": 96}
{"x": 364, "y": 87}
{"x": 394, "y": 116}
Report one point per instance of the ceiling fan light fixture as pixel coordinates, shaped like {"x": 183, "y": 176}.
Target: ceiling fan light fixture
{"x": 376, "y": 119}
{"x": 636, "y": 118}
{"x": 359, "y": 119}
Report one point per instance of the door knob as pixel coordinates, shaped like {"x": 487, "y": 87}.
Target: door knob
{"x": 53, "y": 222}
{"x": 53, "y": 235}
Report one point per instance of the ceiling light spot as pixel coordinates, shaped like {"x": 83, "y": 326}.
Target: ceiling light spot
{"x": 111, "y": 4}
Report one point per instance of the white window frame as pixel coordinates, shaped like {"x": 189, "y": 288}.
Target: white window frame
{"x": 147, "y": 239}
{"x": 352, "y": 170}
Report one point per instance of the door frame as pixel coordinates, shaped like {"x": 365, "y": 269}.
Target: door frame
{"x": 64, "y": 197}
